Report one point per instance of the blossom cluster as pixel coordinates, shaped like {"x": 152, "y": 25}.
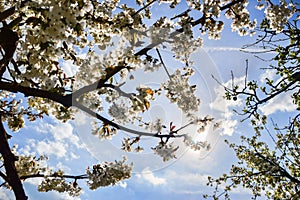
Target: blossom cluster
{"x": 179, "y": 91}
{"x": 151, "y": 64}
{"x": 166, "y": 151}
{"x": 196, "y": 145}
{"x": 160, "y": 30}
{"x": 213, "y": 27}
{"x": 29, "y": 165}
{"x": 278, "y": 15}
{"x": 108, "y": 174}
{"x": 141, "y": 101}
{"x": 60, "y": 185}
{"x": 128, "y": 143}
{"x": 184, "y": 44}
{"x": 241, "y": 21}
{"x": 156, "y": 126}
{"x": 104, "y": 132}
{"x": 120, "y": 112}
{"x": 92, "y": 100}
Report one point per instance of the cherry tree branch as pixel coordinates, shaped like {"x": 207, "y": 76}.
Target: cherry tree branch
{"x": 281, "y": 170}
{"x": 4, "y": 177}
{"x": 98, "y": 84}
{"x": 143, "y": 8}
{"x": 67, "y": 100}
{"x": 28, "y": 91}
{"x": 117, "y": 126}
{"x": 9, "y": 164}
{"x": 83, "y": 176}
{"x": 163, "y": 63}
{"x": 118, "y": 89}
{"x": 116, "y": 69}
{"x": 6, "y": 13}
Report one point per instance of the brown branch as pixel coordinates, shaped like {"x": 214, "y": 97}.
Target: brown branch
{"x": 231, "y": 4}
{"x": 27, "y": 91}
{"x": 112, "y": 71}
{"x": 143, "y": 8}
{"x": 15, "y": 22}
{"x": 70, "y": 100}
{"x": 8, "y": 42}
{"x": 185, "y": 13}
{"x": 4, "y": 176}
{"x": 98, "y": 84}
{"x": 281, "y": 170}
{"x": 276, "y": 93}
{"x": 84, "y": 176}
{"x": 118, "y": 89}
{"x": 9, "y": 164}
{"x": 163, "y": 64}
{"x": 120, "y": 127}
{"x": 6, "y": 13}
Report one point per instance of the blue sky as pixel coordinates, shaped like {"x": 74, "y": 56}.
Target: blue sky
{"x": 72, "y": 147}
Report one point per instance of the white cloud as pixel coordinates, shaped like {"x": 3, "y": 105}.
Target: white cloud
{"x": 81, "y": 118}
{"x": 6, "y": 194}
{"x": 241, "y": 190}
{"x": 209, "y": 49}
{"x": 74, "y": 156}
{"x": 224, "y": 107}
{"x": 69, "y": 68}
{"x": 63, "y": 132}
{"x": 122, "y": 184}
{"x": 148, "y": 175}
{"x": 188, "y": 179}
{"x": 34, "y": 181}
{"x": 64, "y": 196}
{"x": 269, "y": 73}
{"x": 26, "y": 150}
{"x": 279, "y": 103}
{"x": 59, "y": 137}
{"x": 182, "y": 182}
{"x": 41, "y": 128}
{"x": 63, "y": 167}
{"x": 229, "y": 126}
{"x": 57, "y": 149}
{"x": 59, "y": 130}
{"x": 228, "y": 48}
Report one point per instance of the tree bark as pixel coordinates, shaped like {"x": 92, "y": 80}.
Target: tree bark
{"x": 9, "y": 165}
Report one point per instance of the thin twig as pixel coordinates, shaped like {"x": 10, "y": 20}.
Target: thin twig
{"x": 246, "y": 73}
{"x": 147, "y": 5}
{"x": 162, "y": 62}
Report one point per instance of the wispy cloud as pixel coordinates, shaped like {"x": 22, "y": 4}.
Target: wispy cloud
{"x": 64, "y": 132}
{"x": 34, "y": 181}
{"x": 269, "y": 73}
{"x": 228, "y": 48}
{"x": 224, "y": 107}
{"x": 282, "y": 103}
{"x": 187, "y": 179}
{"x": 148, "y": 175}
{"x": 64, "y": 196}
{"x": 122, "y": 184}
{"x": 57, "y": 149}
{"x": 57, "y": 138}
{"x": 6, "y": 194}
{"x": 69, "y": 68}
